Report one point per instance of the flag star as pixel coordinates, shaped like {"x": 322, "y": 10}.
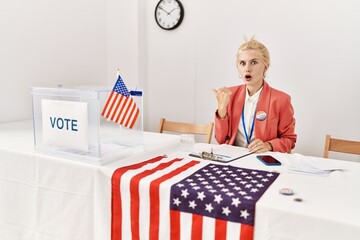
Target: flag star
{"x": 215, "y": 168}
{"x": 238, "y": 179}
{"x": 180, "y": 185}
{"x": 201, "y": 195}
{"x": 216, "y": 181}
{"x": 225, "y": 168}
{"x": 269, "y": 174}
{"x": 223, "y": 175}
{"x": 232, "y": 184}
{"x": 198, "y": 175}
{"x": 212, "y": 177}
{"x": 248, "y": 177}
{"x": 259, "y": 176}
{"x": 248, "y": 197}
{"x": 253, "y": 181}
{"x": 229, "y": 171}
{"x": 213, "y": 190}
{"x": 193, "y": 184}
{"x": 221, "y": 185}
{"x": 259, "y": 185}
{"x": 218, "y": 172}
{"x": 254, "y": 190}
{"x": 192, "y": 204}
{"x": 244, "y": 213}
{"x": 243, "y": 182}
{"x": 201, "y": 179}
{"x": 184, "y": 193}
{"x": 224, "y": 190}
{"x": 176, "y": 201}
{"x": 237, "y": 188}
{"x": 208, "y": 207}
{"x": 242, "y": 193}
{"x": 218, "y": 198}
{"x": 248, "y": 185}
{"x": 189, "y": 180}
{"x": 254, "y": 172}
{"x": 244, "y": 173}
{"x": 205, "y": 170}
{"x": 227, "y": 179}
{"x": 230, "y": 194}
{"x": 204, "y": 183}
{"x": 208, "y": 187}
{"x": 233, "y": 175}
{"x": 196, "y": 188}
{"x": 235, "y": 202}
{"x": 208, "y": 174}
{"x": 226, "y": 211}
{"x": 265, "y": 180}
{"x": 239, "y": 170}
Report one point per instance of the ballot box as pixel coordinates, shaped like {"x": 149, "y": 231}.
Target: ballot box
{"x": 68, "y": 123}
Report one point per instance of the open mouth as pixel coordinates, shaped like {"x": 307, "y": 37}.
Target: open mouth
{"x": 248, "y": 77}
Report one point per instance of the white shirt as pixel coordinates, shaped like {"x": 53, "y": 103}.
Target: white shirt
{"x": 249, "y": 113}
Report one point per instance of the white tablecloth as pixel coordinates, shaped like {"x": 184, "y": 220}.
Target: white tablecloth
{"x": 48, "y": 198}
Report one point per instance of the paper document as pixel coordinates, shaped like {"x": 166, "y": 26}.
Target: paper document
{"x": 220, "y": 153}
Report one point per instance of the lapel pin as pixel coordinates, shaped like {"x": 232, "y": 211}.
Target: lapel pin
{"x": 261, "y": 115}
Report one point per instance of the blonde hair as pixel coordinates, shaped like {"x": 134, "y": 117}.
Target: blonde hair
{"x": 254, "y": 44}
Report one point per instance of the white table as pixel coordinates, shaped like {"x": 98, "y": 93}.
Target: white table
{"x": 49, "y": 198}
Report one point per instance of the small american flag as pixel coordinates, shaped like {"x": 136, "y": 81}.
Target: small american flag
{"x": 120, "y": 106}
{"x": 164, "y": 198}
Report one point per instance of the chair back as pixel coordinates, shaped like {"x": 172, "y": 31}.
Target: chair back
{"x": 340, "y": 145}
{"x": 187, "y": 128}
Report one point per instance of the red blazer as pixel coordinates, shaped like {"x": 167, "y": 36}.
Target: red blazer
{"x": 278, "y": 128}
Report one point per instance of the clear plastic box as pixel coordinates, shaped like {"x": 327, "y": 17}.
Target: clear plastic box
{"x": 68, "y": 123}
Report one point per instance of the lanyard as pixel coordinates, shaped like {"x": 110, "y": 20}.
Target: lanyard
{"x": 248, "y": 138}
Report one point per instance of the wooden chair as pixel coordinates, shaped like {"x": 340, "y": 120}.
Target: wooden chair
{"x": 340, "y": 145}
{"x": 188, "y": 128}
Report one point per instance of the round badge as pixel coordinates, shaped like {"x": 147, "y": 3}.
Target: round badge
{"x": 261, "y": 115}
{"x": 286, "y": 191}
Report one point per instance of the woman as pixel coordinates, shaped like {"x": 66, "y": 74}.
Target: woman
{"x": 254, "y": 115}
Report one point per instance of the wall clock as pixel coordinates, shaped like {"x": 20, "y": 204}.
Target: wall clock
{"x": 169, "y": 14}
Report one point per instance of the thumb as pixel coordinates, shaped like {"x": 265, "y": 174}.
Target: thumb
{"x": 215, "y": 92}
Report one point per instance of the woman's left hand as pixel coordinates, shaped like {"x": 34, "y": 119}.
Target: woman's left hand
{"x": 258, "y": 146}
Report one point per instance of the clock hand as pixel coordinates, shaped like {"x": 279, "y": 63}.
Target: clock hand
{"x": 171, "y": 11}
{"x": 163, "y": 9}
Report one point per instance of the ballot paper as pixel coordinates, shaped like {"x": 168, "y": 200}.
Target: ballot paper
{"x": 300, "y": 164}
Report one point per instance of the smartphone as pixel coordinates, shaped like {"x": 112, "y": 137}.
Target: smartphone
{"x": 268, "y": 160}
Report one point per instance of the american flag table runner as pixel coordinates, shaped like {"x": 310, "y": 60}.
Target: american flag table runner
{"x": 164, "y": 198}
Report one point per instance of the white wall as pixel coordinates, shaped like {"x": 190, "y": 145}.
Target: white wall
{"x": 46, "y": 43}
{"x": 313, "y": 45}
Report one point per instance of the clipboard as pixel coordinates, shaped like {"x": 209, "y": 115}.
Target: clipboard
{"x": 223, "y": 153}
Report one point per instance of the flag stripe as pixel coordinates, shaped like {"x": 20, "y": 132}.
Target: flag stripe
{"x": 126, "y": 111}
{"x": 134, "y": 192}
{"x": 220, "y": 229}
{"x": 107, "y": 103}
{"x": 174, "y": 225}
{"x": 120, "y": 108}
{"x": 155, "y": 198}
{"x": 197, "y": 227}
{"x": 116, "y": 206}
{"x": 117, "y": 108}
{"x": 246, "y": 232}
{"x": 135, "y": 118}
